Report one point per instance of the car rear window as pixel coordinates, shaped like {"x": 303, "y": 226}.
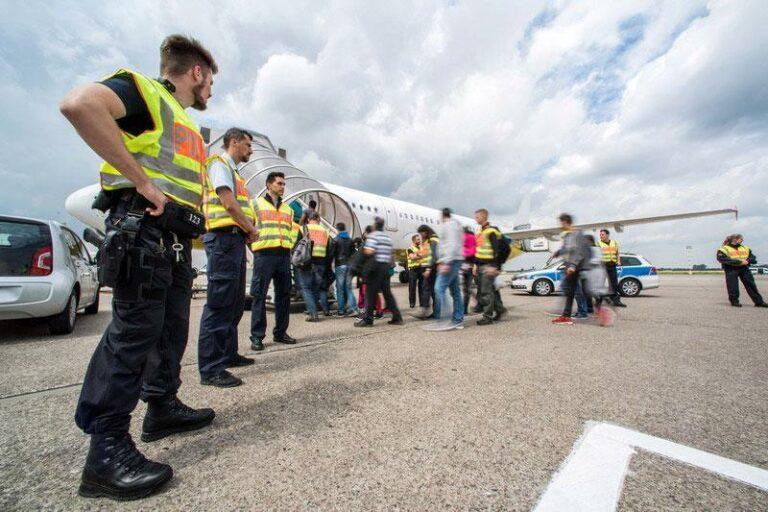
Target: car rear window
{"x": 629, "y": 261}
{"x": 20, "y": 242}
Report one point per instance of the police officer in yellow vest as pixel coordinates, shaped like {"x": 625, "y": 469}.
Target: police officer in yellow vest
{"x": 415, "y": 272}
{"x": 152, "y": 181}
{"x": 610, "y": 249}
{"x": 313, "y": 276}
{"x": 272, "y": 262}
{"x": 430, "y": 244}
{"x": 487, "y": 266}
{"x": 736, "y": 259}
{"x": 229, "y": 220}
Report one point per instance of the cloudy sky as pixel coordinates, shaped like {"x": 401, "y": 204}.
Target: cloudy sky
{"x": 602, "y": 109}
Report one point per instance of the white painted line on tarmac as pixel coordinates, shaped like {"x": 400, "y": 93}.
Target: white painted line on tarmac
{"x": 592, "y": 477}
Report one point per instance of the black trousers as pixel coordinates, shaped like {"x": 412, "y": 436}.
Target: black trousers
{"x": 613, "y": 281}
{"x": 265, "y": 269}
{"x": 415, "y": 282}
{"x": 427, "y": 292}
{"x": 569, "y": 290}
{"x": 139, "y": 355}
{"x": 732, "y": 276}
{"x": 378, "y": 281}
{"x": 225, "y": 301}
{"x": 466, "y": 285}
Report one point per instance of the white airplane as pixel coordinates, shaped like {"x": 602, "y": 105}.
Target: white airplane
{"x": 357, "y": 208}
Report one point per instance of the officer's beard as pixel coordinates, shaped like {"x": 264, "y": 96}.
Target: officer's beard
{"x": 200, "y": 102}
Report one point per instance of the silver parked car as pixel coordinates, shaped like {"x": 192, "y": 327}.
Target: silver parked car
{"x": 45, "y": 272}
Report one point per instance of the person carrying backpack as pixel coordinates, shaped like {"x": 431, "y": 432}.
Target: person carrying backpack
{"x": 491, "y": 253}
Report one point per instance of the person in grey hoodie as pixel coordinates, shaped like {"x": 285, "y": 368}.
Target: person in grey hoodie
{"x": 450, "y": 257}
{"x": 576, "y": 255}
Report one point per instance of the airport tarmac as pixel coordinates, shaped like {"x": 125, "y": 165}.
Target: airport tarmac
{"x": 399, "y": 418}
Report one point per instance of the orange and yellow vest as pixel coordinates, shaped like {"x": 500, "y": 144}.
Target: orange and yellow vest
{"x": 275, "y": 225}
{"x": 484, "y": 249}
{"x": 735, "y": 253}
{"x": 171, "y": 153}
{"x": 216, "y": 215}
{"x": 319, "y": 236}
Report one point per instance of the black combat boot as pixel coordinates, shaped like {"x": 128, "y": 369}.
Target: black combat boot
{"x": 166, "y": 416}
{"x": 115, "y": 469}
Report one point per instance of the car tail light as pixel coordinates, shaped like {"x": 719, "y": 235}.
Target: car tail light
{"x": 42, "y": 262}
{"x": 653, "y": 271}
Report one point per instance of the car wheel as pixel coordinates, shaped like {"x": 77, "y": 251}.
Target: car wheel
{"x": 93, "y": 308}
{"x": 64, "y": 322}
{"x": 403, "y": 277}
{"x": 542, "y": 287}
{"x": 630, "y": 287}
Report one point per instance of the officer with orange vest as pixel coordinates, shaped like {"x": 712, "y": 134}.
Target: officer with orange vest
{"x": 736, "y": 259}
{"x": 610, "y": 249}
{"x": 229, "y": 221}
{"x": 152, "y": 187}
{"x": 272, "y": 262}
{"x": 313, "y": 276}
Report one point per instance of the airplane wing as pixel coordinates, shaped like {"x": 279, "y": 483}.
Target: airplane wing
{"x": 618, "y": 225}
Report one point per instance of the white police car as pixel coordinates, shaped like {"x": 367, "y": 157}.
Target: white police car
{"x": 635, "y": 274}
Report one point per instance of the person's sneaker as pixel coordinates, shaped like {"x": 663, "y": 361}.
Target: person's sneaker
{"x": 312, "y": 318}
{"x": 565, "y": 320}
{"x": 115, "y": 469}
{"x": 257, "y": 345}
{"x": 378, "y": 314}
{"x": 285, "y": 339}
{"x": 500, "y": 314}
{"x": 171, "y": 416}
{"x": 363, "y": 323}
{"x": 619, "y": 304}
{"x": 396, "y": 321}
{"x": 239, "y": 361}
{"x": 222, "y": 380}
{"x": 577, "y": 316}
{"x": 485, "y": 321}
{"x": 457, "y": 325}
{"x": 762, "y": 305}
{"x": 327, "y": 313}
{"x": 735, "y": 304}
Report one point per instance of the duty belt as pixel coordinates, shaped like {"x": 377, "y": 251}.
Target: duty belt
{"x": 234, "y": 230}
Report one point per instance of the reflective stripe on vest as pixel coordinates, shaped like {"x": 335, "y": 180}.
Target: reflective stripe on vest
{"x": 735, "y": 253}
{"x": 172, "y": 153}
{"x": 484, "y": 249}
{"x": 610, "y": 251}
{"x": 216, "y": 215}
{"x": 274, "y": 225}
{"x": 415, "y": 263}
{"x": 319, "y": 236}
{"x": 426, "y": 251}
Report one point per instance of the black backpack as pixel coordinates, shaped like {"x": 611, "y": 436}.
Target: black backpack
{"x": 504, "y": 248}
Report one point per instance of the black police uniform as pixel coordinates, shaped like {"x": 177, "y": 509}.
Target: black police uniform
{"x": 734, "y": 272}
{"x": 139, "y": 355}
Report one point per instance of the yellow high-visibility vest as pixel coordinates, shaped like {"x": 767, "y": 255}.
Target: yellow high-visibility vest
{"x": 319, "y": 236}
{"x": 171, "y": 152}
{"x": 414, "y": 263}
{"x": 610, "y": 251}
{"x": 735, "y": 253}
{"x": 216, "y": 215}
{"x": 275, "y": 225}
{"x": 426, "y": 251}
{"x": 484, "y": 250}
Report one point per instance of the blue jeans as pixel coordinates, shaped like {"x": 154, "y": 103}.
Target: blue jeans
{"x": 313, "y": 288}
{"x": 450, "y": 280}
{"x": 344, "y": 295}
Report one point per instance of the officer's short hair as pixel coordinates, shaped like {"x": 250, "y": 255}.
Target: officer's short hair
{"x": 312, "y": 203}
{"x": 314, "y": 216}
{"x": 271, "y": 177}
{"x": 340, "y": 226}
{"x": 483, "y": 211}
{"x": 446, "y": 213}
{"x": 564, "y": 217}
{"x": 605, "y": 231}
{"x": 378, "y": 224}
{"x": 236, "y": 134}
{"x": 179, "y": 54}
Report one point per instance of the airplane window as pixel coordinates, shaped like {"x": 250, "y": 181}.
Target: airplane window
{"x": 376, "y": 210}
{"x": 353, "y": 205}
{"x": 369, "y": 208}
